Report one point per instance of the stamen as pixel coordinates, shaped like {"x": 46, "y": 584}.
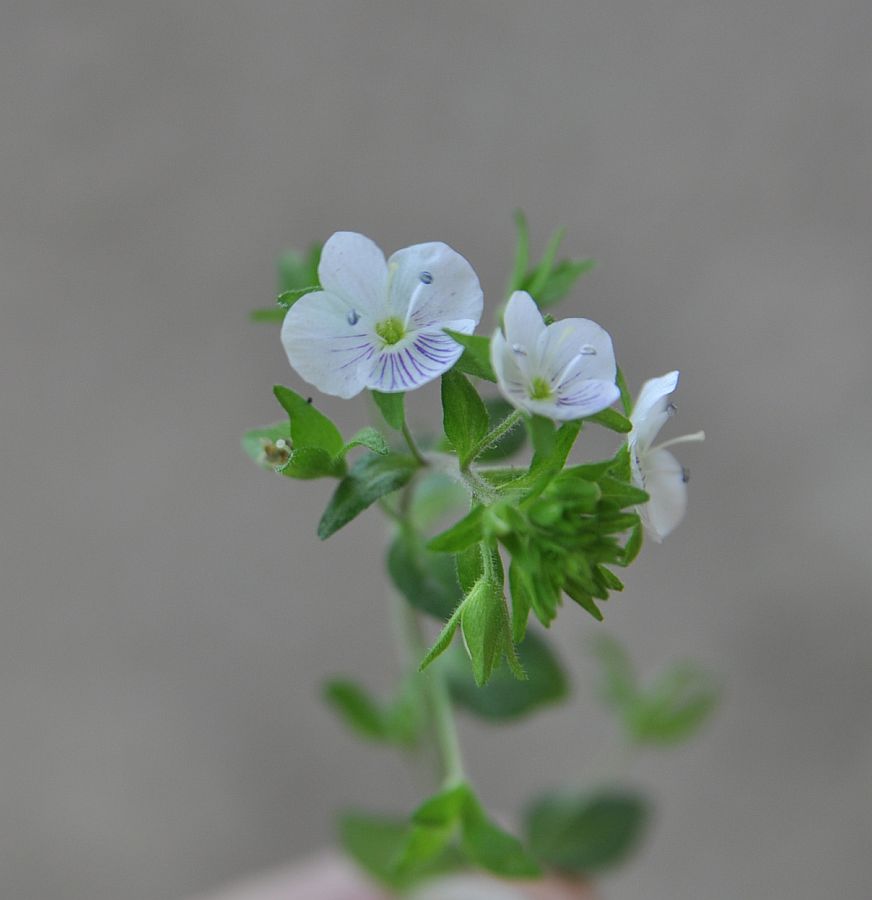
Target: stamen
{"x": 353, "y": 317}
{"x": 684, "y": 439}
{"x": 588, "y": 350}
{"x": 685, "y": 474}
{"x": 671, "y": 409}
{"x": 519, "y": 349}
{"x": 426, "y": 278}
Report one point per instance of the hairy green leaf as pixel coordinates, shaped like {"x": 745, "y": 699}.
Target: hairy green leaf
{"x": 309, "y": 427}
{"x": 371, "y": 477}
{"x": 464, "y": 416}
{"x": 392, "y": 408}
{"x": 475, "y": 359}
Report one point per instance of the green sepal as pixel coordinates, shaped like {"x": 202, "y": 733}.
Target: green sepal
{"x": 461, "y": 534}
{"x": 397, "y": 722}
{"x": 464, "y": 415}
{"x": 427, "y": 580}
{"x": 469, "y": 565}
{"x": 370, "y": 478}
{"x": 613, "y": 420}
{"x": 504, "y": 697}
{"x": 475, "y": 359}
{"x": 443, "y": 640}
{"x": 392, "y": 408}
{"x": 309, "y": 427}
{"x": 522, "y": 600}
{"x": 583, "y": 598}
{"x": 586, "y": 833}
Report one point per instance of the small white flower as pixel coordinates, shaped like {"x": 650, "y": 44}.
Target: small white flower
{"x": 562, "y": 371}
{"x": 655, "y": 469}
{"x": 379, "y": 324}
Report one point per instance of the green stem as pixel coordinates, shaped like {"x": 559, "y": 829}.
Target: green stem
{"x": 410, "y": 440}
{"x": 491, "y": 438}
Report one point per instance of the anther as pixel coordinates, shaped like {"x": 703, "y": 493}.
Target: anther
{"x": 519, "y": 349}
{"x": 685, "y": 474}
{"x": 671, "y": 409}
{"x": 426, "y": 278}
{"x": 588, "y": 350}
{"x": 352, "y": 318}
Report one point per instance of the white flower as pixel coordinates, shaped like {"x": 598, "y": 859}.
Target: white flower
{"x": 655, "y": 469}
{"x": 378, "y": 324}
{"x": 562, "y": 371}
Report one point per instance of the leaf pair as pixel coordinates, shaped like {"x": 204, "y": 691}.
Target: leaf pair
{"x": 668, "y": 711}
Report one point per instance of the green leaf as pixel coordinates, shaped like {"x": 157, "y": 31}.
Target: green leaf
{"x": 522, "y": 254}
{"x": 504, "y": 697}
{"x": 613, "y": 420}
{"x": 494, "y": 849}
{"x": 522, "y": 600}
{"x": 309, "y": 428}
{"x": 370, "y": 478}
{"x": 675, "y": 707}
{"x": 633, "y": 545}
{"x": 435, "y": 495}
{"x": 270, "y": 315}
{"x": 313, "y": 462}
{"x": 464, "y": 416}
{"x": 626, "y": 397}
{"x": 376, "y": 843}
{"x": 510, "y": 442}
{"x": 396, "y": 723}
{"x": 270, "y": 448}
{"x": 562, "y": 279}
{"x": 621, "y": 492}
{"x": 427, "y": 580}
{"x": 442, "y": 642}
{"x": 535, "y": 282}
{"x": 296, "y": 270}
{"x": 391, "y": 407}
{"x": 586, "y": 834}
{"x": 461, "y": 535}
{"x": 371, "y": 439}
{"x": 487, "y": 637}
{"x": 617, "y": 680}
{"x": 475, "y": 359}
{"x": 286, "y": 299}
{"x": 444, "y": 808}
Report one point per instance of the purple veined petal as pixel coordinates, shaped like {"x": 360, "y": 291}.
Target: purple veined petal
{"x": 651, "y": 409}
{"x": 411, "y": 363}
{"x": 584, "y": 398}
{"x": 571, "y": 342}
{"x": 433, "y": 285}
{"x": 323, "y": 348}
{"x": 353, "y": 268}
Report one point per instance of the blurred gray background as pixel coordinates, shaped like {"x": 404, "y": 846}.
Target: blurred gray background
{"x": 167, "y": 611}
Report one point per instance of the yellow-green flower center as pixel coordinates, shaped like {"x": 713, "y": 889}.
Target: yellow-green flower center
{"x": 540, "y": 389}
{"x": 391, "y": 330}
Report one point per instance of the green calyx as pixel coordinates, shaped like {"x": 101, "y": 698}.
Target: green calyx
{"x": 391, "y": 330}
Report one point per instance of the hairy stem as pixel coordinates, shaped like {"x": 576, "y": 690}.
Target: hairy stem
{"x": 491, "y": 438}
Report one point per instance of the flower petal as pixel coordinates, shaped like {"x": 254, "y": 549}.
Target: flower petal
{"x": 563, "y": 341}
{"x": 664, "y": 480}
{"x": 584, "y": 397}
{"x": 510, "y": 369}
{"x": 326, "y": 347}
{"x": 652, "y": 408}
{"x": 432, "y": 284}
{"x": 413, "y": 362}
{"x": 522, "y": 321}
{"x": 353, "y": 268}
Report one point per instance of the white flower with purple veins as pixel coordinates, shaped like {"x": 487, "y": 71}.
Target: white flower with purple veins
{"x": 562, "y": 371}
{"x": 655, "y": 470}
{"x": 379, "y": 324}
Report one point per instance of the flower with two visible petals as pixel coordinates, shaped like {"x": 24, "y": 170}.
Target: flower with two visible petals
{"x": 562, "y": 371}
{"x": 380, "y": 324}
{"x": 655, "y": 470}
